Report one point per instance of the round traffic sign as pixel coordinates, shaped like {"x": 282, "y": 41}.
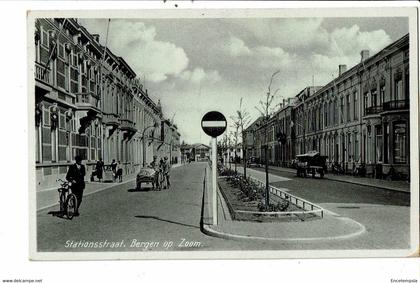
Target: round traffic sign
{"x": 214, "y": 123}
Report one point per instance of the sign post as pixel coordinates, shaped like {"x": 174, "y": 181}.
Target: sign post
{"x": 214, "y": 124}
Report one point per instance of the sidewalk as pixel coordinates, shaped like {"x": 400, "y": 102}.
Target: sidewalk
{"x": 331, "y": 227}
{"x": 401, "y": 186}
{"x": 49, "y": 197}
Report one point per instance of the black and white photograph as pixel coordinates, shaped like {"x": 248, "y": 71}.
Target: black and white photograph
{"x": 198, "y": 134}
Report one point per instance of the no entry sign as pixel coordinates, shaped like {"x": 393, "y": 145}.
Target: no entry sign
{"x": 214, "y": 123}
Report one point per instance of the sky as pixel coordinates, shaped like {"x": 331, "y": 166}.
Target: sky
{"x": 198, "y": 65}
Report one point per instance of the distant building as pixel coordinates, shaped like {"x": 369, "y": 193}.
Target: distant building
{"x": 195, "y": 152}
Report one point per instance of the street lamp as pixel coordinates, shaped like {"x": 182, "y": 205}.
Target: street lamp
{"x": 155, "y": 125}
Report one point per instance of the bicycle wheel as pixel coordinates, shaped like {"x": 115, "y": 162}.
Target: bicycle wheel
{"x": 71, "y": 206}
{"x": 62, "y": 201}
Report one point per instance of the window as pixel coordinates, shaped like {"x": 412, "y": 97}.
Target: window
{"x": 381, "y": 95}
{"x": 331, "y": 116}
{"x": 386, "y": 142}
{"x": 398, "y": 90}
{"x": 341, "y": 110}
{"x": 61, "y": 51}
{"x": 325, "y": 114}
{"x": 355, "y": 106}
{"x": 45, "y": 38}
{"x": 349, "y": 148}
{"x": 356, "y": 148}
{"x": 400, "y": 138}
{"x": 365, "y": 101}
{"x": 348, "y": 107}
{"x": 374, "y": 97}
{"x": 379, "y": 145}
{"x": 335, "y": 112}
{"x": 407, "y": 85}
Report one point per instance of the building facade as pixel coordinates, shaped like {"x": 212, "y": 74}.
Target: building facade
{"x": 88, "y": 102}
{"x": 362, "y": 116}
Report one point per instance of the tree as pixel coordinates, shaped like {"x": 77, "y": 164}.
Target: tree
{"x": 241, "y": 121}
{"x": 266, "y": 110}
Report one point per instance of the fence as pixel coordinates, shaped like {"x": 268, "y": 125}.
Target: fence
{"x": 306, "y": 206}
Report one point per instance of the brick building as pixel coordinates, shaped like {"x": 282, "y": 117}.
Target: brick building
{"x": 88, "y": 102}
{"x": 362, "y": 116}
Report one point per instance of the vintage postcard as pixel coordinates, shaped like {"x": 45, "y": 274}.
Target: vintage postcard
{"x": 258, "y": 133}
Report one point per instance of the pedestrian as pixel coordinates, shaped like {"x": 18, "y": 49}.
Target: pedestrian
{"x": 114, "y": 168}
{"x": 76, "y": 176}
{"x": 119, "y": 172}
{"x": 155, "y": 166}
{"x": 99, "y": 167}
{"x": 166, "y": 171}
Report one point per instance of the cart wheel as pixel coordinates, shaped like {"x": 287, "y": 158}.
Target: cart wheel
{"x": 71, "y": 206}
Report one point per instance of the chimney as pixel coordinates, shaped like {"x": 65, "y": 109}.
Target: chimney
{"x": 96, "y": 37}
{"x": 341, "y": 69}
{"x": 364, "y": 54}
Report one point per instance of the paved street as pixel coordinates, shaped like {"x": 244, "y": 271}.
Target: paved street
{"x": 384, "y": 213}
{"x": 151, "y": 218}
{"x": 120, "y": 213}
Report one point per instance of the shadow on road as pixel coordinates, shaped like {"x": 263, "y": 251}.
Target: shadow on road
{"x": 165, "y": 220}
{"x": 59, "y": 214}
{"x": 139, "y": 191}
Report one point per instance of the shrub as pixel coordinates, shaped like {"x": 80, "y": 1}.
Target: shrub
{"x": 282, "y": 205}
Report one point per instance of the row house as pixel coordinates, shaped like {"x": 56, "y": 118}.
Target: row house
{"x": 88, "y": 102}
{"x": 362, "y": 116}
{"x": 170, "y": 146}
{"x": 252, "y": 140}
{"x": 284, "y": 133}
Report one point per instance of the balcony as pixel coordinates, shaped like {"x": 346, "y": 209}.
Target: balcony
{"x": 42, "y": 74}
{"x": 110, "y": 120}
{"x": 397, "y": 105}
{"x": 87, "y": 101}
{"x": 127, "y": 125}
{"x": 374, "y": 110}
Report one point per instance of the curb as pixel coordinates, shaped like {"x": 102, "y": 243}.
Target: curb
{"x": 368, "y": 185}
{"x": 348, "y": 181}
{"x": 208, "y": 230}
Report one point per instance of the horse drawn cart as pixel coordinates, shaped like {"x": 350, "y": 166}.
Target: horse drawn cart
{"x": 311, "y": 163}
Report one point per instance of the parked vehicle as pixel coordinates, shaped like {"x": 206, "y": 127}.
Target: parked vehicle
{"x": 108, "y": 174}
{"x": 146, "y": 175}
{"x": 253, "y": 162}
{"x": 311, "y": 163}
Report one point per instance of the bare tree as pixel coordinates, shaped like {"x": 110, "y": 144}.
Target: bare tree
{"x": 235, "y": 136}
{"x": 265, "y": 108}
{"x": 241, "y": 121}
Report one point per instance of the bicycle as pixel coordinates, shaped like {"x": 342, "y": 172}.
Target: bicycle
{"x": 161, "y": 181}
{"x": 67, "y": 200}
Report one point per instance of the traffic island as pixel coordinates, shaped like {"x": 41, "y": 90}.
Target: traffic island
{"x": 330, "y": 227}
{"x": 246, "y": 201}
